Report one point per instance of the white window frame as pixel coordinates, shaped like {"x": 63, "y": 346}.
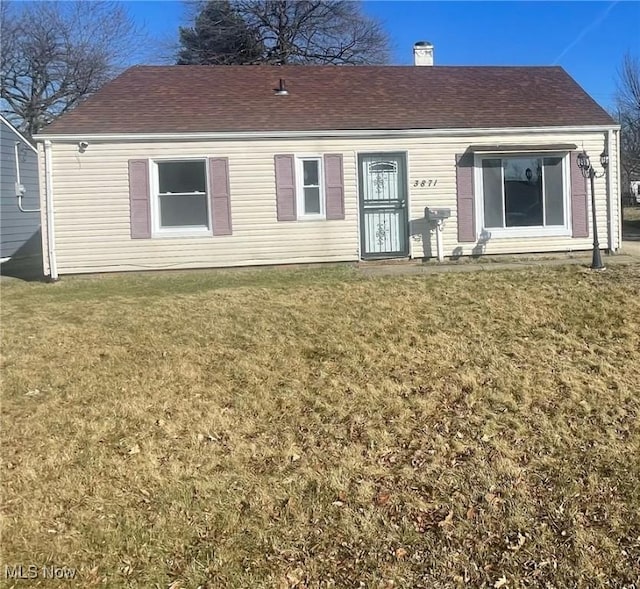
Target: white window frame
{"x": 537, "y": 231}
{"x": 154, "y": 184}
{"x": 301, "y": 215}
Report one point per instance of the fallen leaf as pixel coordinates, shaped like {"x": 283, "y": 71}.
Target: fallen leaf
{"x": 294, "y": 577}
{"x": 401, "y": 553}
{"x": 135, "y": 449}
{"x": 501, "y": 582}
{"x": 447, "y": 521}
{"x": 382, "y": 498}
{"x": 471, "y": 512}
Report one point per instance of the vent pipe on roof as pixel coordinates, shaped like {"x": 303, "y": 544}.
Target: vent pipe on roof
{"x": 423, "y": 53}
{"x": 281, "y": 90}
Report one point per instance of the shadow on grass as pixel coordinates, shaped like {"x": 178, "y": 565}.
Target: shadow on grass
{"x": 26, "y": 262}
{"x": 631, "y": 230}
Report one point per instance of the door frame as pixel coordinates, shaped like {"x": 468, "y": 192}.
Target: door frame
{"x": 404, "y": 157}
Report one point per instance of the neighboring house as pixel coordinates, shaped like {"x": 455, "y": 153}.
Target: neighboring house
{"x": 634, "y": 185}
{"x": 19, "y": 231}
{"x": 211, "y": 166}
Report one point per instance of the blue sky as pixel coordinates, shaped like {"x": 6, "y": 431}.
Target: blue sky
{"x": 588, "y": 39}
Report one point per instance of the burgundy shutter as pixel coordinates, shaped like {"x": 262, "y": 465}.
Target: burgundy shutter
{"x": 334, "y": 185}
{"x": 466, "y": 205}
{"x": 285, "y": 187}
{"x": 579, "y": 207}
{"x": 139, "y": 197}
{"x": 219, "y": 195}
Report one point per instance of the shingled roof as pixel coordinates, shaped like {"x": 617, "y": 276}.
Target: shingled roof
{"x": 186, "y": 99}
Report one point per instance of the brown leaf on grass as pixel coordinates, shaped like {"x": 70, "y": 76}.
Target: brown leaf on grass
{"x": 400, "y": 553}
{"x": 294, "y": 578}
{"x": 516, "y": 543}
{"x": 471, "y": 513}
{"x": 447, "y": 521}
{"x": 382, "y": 498}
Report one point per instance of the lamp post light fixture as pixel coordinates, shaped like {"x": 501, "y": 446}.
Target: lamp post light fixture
{"x": 584, "y": 163}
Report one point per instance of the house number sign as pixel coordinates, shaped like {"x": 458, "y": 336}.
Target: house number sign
{"x": 425, "y": 183}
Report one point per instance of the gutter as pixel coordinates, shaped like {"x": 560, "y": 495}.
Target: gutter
{"x": 351, "y": 133}
{"x": 51, "y": 242}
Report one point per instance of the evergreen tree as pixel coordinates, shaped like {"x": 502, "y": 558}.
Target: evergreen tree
{"x": 220, "y": 37}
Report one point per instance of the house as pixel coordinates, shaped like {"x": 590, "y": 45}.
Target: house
{"x": 634, "y": 189}
{"x": 19, "y": 217}
{"x": 214, "y": 166}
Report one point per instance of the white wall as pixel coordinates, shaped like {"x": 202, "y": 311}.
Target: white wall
{"x": 91, "y": 203}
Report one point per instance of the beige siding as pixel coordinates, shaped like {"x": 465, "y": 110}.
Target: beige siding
{"x": 92, "y": 203}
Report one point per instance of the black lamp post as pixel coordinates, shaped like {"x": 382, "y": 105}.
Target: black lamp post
{"x": 588, "y": 172}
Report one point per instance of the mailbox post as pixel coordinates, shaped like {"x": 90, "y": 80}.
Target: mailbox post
{"x": 438, "y": 216}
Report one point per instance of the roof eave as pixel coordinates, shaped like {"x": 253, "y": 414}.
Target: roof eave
{"x": 365, "y": 133}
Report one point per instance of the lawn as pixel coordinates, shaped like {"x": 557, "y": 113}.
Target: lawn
{"x": 631, "y": 216}
{"x": 313, "y": 428}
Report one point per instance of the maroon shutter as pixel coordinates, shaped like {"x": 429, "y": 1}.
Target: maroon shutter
{"x": 579, "y": 207}
{"x": 285, "y": 187}
{"x": 219, "y": 195}
{"x": 334, "y": 185}
{"x": 466, "y": 206}
{"x": 139, "y": 205}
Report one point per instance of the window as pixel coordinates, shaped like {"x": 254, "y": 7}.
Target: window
{"x": 310, "y": 189}
{"x": 520, "y": 192}
{"x": 182, "y": 203}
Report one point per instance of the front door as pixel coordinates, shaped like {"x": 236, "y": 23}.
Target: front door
{"x": 383, "y": 205}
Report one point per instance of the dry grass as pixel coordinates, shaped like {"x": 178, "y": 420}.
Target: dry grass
{"x": 315, "y": 429}
{"x": 632, "y": 214}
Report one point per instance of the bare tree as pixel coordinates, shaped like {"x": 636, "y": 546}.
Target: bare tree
{"x": 300, "y": 32}
{"x": 628, "y": 105}
{"x": 54, "y": 54}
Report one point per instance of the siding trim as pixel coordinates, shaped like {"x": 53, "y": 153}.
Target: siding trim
{"x": 220, "y": 196}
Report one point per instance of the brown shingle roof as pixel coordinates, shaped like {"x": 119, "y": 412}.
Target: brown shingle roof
{"x": 175, "y": 99}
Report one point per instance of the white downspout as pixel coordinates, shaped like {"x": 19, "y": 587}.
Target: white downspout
{"x": 51, "y": 242}
{"x": 610, "y": 203}
{"x": 618, "y": 133}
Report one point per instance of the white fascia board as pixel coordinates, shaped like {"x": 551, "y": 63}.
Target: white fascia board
{"x": 20, "y": 135}
{"x": 352, "y": 133}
